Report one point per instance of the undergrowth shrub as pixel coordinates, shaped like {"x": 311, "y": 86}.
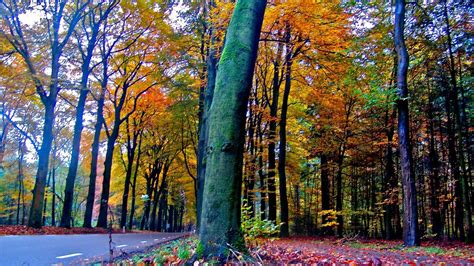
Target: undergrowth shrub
{"x": 254, "y": 227}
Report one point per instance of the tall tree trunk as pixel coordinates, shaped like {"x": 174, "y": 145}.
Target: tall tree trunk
{"x": 134, "y": 183}
{"x": 272, "y": 202}
{"x": 220, "y": 218}
{"x": 261, "y": 175}
{"x": 175, "y": 219}
{"x": 204, "y": 125}
{"x": 325, "y": 196}
{"x": 169, "y": 224}
{"x": 392, "y": 216}
{"x": 73, "y": 164}
{"x": 157, "y": 196}
{"x": 94, "y": 159}
{"x": 76, "y": 140}
{"x": 181, "y": 216}
{"x": 410, "y": 217}
{"x": 469, "y": 148}
{"x": 460, "y": 190}
{"x": 284, "y": 229}
{"x": 249, "y": 173}
{"x": 3, "y": 136}
{"x": 354, "y": 202}
{"x": 48, "y": 97}
{"x": 36, "y": 209}
{"x": 340, "y": 161}
{"x": 132, "y": 140}
{"x": 104, "y": 199}
{"x": 21, "y": 183}
{"x": 162, "y": 210}
{"x": 111, "y": 139}
{"x": 46, "y": 198}
{"x": 433, "y": 169}
{"x": 340, "y": 164}
{"x": 389, "y": 184}
{"x": 53, "y": 188}
{"x": 146, "y": 208}
{"x": 126, "y": 190}
{"x": 152, "y": 220}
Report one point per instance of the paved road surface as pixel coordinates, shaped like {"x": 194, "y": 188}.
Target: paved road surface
{"x": 72, "y": 249}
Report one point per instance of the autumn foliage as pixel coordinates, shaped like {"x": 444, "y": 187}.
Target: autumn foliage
{"x": 320, "y": 156}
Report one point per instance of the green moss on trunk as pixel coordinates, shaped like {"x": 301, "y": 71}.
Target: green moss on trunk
{"x": 220, "y": 217}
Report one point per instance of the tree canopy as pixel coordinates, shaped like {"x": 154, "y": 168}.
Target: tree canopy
{"x": 336, "y": 118}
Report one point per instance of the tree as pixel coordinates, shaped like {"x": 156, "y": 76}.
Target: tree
{"x": 55, "y": 15}
{"x": 220, "y": 218}
{"x": 91, "y": 26}
{"x": 206, "y": 95}
{"x": 121, "y": 96}
{"x": 410, "y": 217}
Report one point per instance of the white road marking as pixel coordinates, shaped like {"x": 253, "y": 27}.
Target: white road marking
{"x": 69, "y": 256}
{"x": 121, "y": 246}
{"x": 155, "y": 239}
{"x": 143, "y": 242}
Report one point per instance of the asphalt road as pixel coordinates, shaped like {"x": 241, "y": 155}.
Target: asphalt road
{"x": 73, "y": 249}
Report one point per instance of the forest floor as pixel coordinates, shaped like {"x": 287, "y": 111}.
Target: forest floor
{"x": 320, "y": 251}
{"x": 308, "y": 250}
{"x": 53, "y": 230}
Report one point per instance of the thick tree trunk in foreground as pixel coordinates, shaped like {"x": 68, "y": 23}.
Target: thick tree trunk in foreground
{"x": 220, "y": 218}
{"x": 410, "y": 217}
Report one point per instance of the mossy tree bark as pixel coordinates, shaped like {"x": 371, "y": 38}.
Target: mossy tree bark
{"x": 207, "y": 95}
{"x": 220, "y": 218}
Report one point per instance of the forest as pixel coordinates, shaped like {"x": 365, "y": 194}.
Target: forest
{"x": 346, "y": 119}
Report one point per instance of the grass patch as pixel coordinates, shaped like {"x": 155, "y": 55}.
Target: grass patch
{"x": 439, "y": 251}
{"x": 362, "y": 245}
{"x": 179, "y": 250}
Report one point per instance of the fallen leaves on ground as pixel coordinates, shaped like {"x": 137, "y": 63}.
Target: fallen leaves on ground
{"x": 50, "y": 230}
{"x": 328, "y": 251}
{"x": 314, "y": 250}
